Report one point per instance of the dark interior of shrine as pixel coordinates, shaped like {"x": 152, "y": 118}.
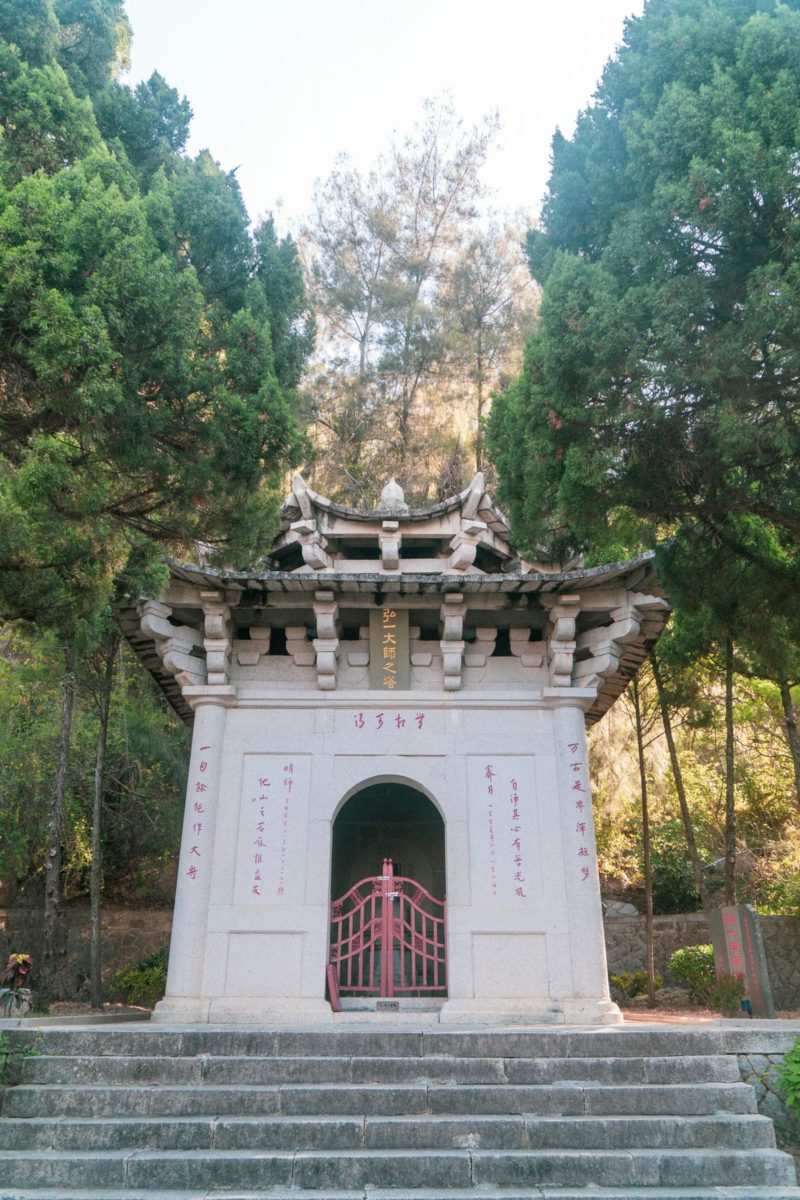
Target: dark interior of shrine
{"x": 388, "y": 820}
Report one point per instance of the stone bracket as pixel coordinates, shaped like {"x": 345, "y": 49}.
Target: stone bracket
{"x": 326, "y": 643}
{"x": 561, "y": 643}
{"x": 465, "y": 544}
{"x": 313, "y": 545}
{"x": 390, "y": 541}
{"x": 607, "y": 645}
{"x": 482, "y": 648}
{"x": 217, "y": 640}
{"x": 453, "y": 612}
{"x": 520, "y": 640}
{"x": 250, "y": 654}
{"x": 178, "y": 646}
{"x": 298, "y": 647}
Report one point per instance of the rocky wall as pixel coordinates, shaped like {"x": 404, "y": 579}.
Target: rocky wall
{"x": 625, "y": 948}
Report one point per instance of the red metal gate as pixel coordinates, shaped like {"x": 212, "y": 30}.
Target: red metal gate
{"x": 387, "y": 939}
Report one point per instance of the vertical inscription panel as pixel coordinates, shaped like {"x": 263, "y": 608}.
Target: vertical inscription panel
{"x": 273, "y": 828}
{"x": 389, "y": 660}
{"x": 503, "y": 828}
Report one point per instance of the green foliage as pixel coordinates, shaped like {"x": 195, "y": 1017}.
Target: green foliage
{"x": 674, "y": 889}
{"x": 658, "y": 392}
{"x": 789, "y": 1078}
{"x": 694, "y": 966}
{"x": 631, "y": 983}
{"x": 142, "y": 405}
{"x": 144, "y": 780}
{"x": 142, "y": 983}
{"x": 725, "y": 994}
{"x": 142, "y": 411}
{"x": 768, "y": 829}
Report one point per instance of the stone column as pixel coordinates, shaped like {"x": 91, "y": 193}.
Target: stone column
{"x": 590, "y": 1000}
{"x": 183, "y": 999}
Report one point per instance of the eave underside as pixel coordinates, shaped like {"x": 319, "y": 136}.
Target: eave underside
{"x": 244, "y": 590}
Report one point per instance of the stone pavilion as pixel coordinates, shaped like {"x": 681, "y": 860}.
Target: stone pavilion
{"x": 388, "y": 802}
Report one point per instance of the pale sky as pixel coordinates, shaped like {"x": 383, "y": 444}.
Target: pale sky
{"x": 280, "y": 87}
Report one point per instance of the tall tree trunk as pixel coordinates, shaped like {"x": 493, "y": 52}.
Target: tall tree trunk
{"x": 95, "y": 881}
{"x": 730, "y": 795}
{"x": 677, "y": 774}
{"x": 55, "y": 822}
{"x": 792, "y": 735}
{"x": 479, "y": 431}
{"x": 648, "y": 871}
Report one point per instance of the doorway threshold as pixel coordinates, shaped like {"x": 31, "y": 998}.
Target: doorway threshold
{"x": 398, "y": 1004}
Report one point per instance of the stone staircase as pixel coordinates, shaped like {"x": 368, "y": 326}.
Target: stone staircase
{"x": 146, "y": 1112}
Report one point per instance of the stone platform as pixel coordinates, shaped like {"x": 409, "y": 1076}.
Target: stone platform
{"x": 389, "y": 1112}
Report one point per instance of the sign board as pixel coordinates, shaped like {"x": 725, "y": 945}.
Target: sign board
{"x": 739, "y": 950}
{"x": 389, "y": 659}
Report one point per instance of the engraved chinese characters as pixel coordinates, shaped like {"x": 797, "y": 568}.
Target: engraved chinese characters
{"x": 502, "y": 807}
{"x": 199, "y": 827}
{"x": 575, "y": 763}
{"x": 389, "y": 661}
{"x": 273, "y": 821}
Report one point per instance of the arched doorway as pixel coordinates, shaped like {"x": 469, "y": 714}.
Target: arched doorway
{"x": 387, "y": 896}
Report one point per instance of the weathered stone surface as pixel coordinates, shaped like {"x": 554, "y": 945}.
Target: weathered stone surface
{"x": 560, "y": 1113}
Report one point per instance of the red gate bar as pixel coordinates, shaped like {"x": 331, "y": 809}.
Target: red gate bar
{"x": 388, "y": 937}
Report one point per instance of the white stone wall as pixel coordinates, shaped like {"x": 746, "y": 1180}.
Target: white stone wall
{"x": 509, "y": 778}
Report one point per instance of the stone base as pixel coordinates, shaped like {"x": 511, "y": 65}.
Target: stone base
{"x": 531, "y": 1011}
{"x": 592, "y": 1012}
{"x": 239, "y": 1010}
{"x": 285, "y": 1013}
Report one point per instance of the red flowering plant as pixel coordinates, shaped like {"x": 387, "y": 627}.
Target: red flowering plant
{"x": 14, "y": 996}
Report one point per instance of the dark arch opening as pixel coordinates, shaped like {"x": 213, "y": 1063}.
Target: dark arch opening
{"x": 388, "y": 820}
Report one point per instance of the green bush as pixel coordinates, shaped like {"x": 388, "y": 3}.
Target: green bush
{"x": 694, "y": 966}
{"x": 631, "y": 983}
{"x": 726, "y": 992}
{"x": 143, "y": 982}
{"x": 789, "y": 1078}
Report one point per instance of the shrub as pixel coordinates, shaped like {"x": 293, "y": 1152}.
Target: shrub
{"x": 143, "y": 982}
{"x": 726, "y": 992}
{"x": 694, "y": 966}
{"x": 631, "y": 983}
{"x": 789, "y": 1078}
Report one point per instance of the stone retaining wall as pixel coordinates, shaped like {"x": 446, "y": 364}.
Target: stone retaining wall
{"x": 762, "y": 1071}
{"x": 127, "y": 936}
{"x": 625, "y": 948}
{"x": 131, "y": 934}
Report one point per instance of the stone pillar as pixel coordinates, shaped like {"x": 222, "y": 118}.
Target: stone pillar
{"x": 183, "y": 999}
{"x": 590, "y": 1000}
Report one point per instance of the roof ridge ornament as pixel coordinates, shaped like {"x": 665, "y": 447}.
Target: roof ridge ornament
{"x": 393, "y": 499}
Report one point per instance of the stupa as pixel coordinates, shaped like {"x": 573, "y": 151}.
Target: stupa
{"x": 388, "y": 802}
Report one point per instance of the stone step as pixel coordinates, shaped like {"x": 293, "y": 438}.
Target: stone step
{"x": 382, "y": 1133}
{"x": 142, "y": 1040}
{"x": 223, "y": 1069}
{"x": 167, "y": 1114}
{"x": 536, "y": 1193}
{"x": 557, "y": 1099}
{"x": 326, "y": 1170}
